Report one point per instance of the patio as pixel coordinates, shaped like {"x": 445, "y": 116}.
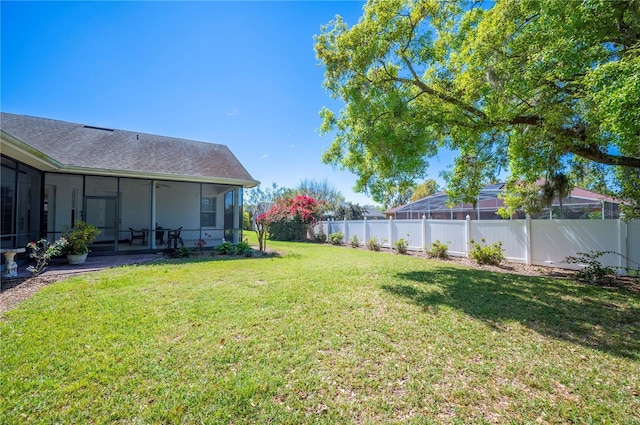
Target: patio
{"x": 60, "y": 268}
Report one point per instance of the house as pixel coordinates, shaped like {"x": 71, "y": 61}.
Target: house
{"x": 580, "y": 203}
{"x": 55, "y": 173}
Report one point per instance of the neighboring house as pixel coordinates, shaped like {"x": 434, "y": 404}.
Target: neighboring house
{"x": 580, "y": 203}
{"x": 56, "y": 172}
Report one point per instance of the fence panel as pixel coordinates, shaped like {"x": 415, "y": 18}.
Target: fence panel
{"x": 512, "y": 234}
{"x": 333, "y": 227}
{"x": 554, "y": 240}
{"x": 633, "y": 244}
{"x": 550, "y": 241}
{"x": 380, "y": 230}
{"x": 355, "y": 228}
{"x": 409, "y": 230}
{"x": 450, "y": 232}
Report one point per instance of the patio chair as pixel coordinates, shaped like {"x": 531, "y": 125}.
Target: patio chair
{"x": 137, "y": 234}
{"x": 159, "y": 236}
{"x": 173, "y": 236}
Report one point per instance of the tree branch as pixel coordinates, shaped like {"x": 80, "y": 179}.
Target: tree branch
{"x": 422, "y": 86}
{"x": 594, "y": 153}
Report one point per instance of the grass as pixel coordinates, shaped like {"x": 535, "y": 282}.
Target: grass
{"x": 320, "y": 335}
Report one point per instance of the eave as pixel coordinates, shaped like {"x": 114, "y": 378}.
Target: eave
{"x": 20, "y": 151}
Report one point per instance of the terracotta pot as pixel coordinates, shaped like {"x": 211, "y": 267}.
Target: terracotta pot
{"x": 77, "y": 258}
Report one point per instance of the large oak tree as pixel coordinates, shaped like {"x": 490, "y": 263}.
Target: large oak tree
{"x": 528, "y": 86}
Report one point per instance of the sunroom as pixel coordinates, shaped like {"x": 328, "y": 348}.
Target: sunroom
{"x": 144, "y": 192}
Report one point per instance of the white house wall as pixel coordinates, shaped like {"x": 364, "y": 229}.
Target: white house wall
{"x": 135, "y": 198}
{"x": 65, "y": 186}
{"x": 178, "y": 205}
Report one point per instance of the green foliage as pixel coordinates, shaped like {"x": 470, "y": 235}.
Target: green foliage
{"x": 427, "y": 188}
{"x": 489, "y": 254}
{"x": 287, "y": 230}
{"x": 336, "y": 238}
{"x": 593, "y": 270}
{"x": 350, "y": 212}
{"x": 42, "y": 251}
{"x": 354, "y": 241}
{"x": 321, "y": 237}
{"x": 258, "y": 339}
{"x": 79, "y": 237}
{"x": 393, "y": 193}
{"x": 374, "y": 245}
{"x": 322, "y": 191}
{"x": 182, "y": 252}
{"x": 532, "y": 197}
{"x": 241, "y": 248}
{"x": 401, "y": 246}
{"x": 246, "y": 220}
{"x": 290, "y": 219}
{"x": 437, "y": 250}
{"x": 523, "y": 86}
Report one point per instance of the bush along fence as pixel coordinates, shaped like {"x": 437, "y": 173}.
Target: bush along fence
{"x": 537, "y": 242}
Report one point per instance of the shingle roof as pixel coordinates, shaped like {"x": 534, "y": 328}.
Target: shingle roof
{"x": 82, "y": 146}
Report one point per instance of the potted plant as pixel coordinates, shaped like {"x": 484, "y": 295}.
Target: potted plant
{"x": 78, "y": 239}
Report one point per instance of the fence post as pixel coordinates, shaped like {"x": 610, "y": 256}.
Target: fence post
{"x": 467, "y": 245}
{"x": 622, "y": 244}
{"x": 346, "y": 235}
{"x": 424, "y": 233}
{"x": 366, "y": 236}
{"x": 390, "y": 232}
{"x": 527, "y": 238}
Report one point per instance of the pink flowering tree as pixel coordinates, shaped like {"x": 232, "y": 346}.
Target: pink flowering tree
{"x": 289, "y": 219}
{"x": 262, "y": 222}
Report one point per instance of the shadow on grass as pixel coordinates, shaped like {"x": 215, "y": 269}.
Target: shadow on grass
{"x": 201, "y": 258}
{"x": 603, "y": 319}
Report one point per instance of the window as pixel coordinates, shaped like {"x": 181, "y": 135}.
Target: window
{"x": 208, "y": 212}
{"x": 228, "y": 216}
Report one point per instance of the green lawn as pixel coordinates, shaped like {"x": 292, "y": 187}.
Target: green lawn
{"x": 320, "y": 334}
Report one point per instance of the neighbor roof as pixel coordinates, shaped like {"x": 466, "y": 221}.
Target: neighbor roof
{"x": 77, "y": 148}
{"x": 439, "y": 201}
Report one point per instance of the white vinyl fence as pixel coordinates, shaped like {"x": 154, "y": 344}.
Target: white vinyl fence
{"x": 539, "y": 242}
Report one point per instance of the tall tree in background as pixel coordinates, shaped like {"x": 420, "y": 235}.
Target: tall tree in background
{"x": 258, "y": 200}
{"x": 427, "y": 188}
{"x": 525, "y": 86}
{"x": 350, "y": 212}
{"x": 322, "y": 191}
{"x": 393, "y": 193}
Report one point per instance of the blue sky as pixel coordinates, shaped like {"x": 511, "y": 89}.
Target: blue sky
{"x": 242, "y": 74}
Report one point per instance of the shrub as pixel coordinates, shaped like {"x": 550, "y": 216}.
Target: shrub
{"x": 373, "y": 244}
{"x": 182, "y": 252}
{"x": 79, "y": 237}
{"x": 593, "y": 270}
{"x": 489, "y": 254}
{"x": 336, "y": 238}
{"x": 401, "y": 246}
{"x": 321, "y": 237}
{"x": 227, "y": 248}
{"x": 289, "y": 219}
{"x": 241, "y": 248}
{"x": 42, "y": 251}
{"x": 438, "y": 250}
{"x": 355, "y": 242}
